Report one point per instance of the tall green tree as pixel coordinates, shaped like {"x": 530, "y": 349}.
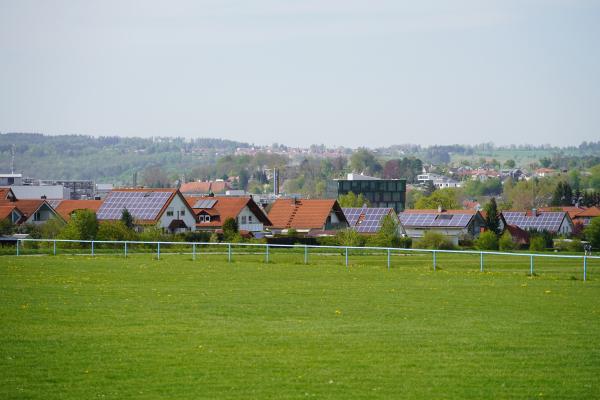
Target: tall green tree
{"x": 127, "y": 219}
{"x": 230, "y": 228}
{"x": 492, "y": 217}
{"x": 592, "y": 233}
{"x": 83, "y": 225}
{"x": 445, "y": 198}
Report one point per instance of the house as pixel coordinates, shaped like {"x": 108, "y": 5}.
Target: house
{"x": 212, "y": 211}
{"x": 163, "y": 208}
{"x": 28, "y": 211}
{"x": 518, "y": 235}
{"x": 454, "y": 224}
{"x": 11, "y": 213}
{"x": 32, "y": 211}
{"x": 439, "y": 181}
{"x": 306, "y": 216}
{"x": 6, "y": 193}
{"x": 545, "y": 172}
{"x": 369, "y": 220}
{"x": 557, "y": 222}
{"x": 65, "y": 208}
{"x": 579, "y": 215}
{"x": 205, "y": 187}
{"x": 10, "y": 179}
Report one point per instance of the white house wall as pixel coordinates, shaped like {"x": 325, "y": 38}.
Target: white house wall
{"x": 179, "y": 208}
{"x": 252, "y": 224}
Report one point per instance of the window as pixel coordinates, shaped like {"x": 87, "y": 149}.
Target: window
{"x": 249, "y": 219}
{"x": 243, "y": 219}
{"x": 182, "y": 213}
{"x": 37, "y": 216}
{"x": 169, "y": 212}
{"x": 204, "y": 218}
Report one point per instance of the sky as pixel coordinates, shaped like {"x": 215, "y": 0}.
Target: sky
{"x": 352, "y": 73}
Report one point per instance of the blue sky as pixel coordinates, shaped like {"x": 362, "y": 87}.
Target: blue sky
{"x": 356, "y": 73}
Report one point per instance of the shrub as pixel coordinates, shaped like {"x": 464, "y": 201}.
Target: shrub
{"x": 349, "y": 237}
{"x": 197, "y": 236}
{"x": 435, "y": 240}
{"x": 575, "y": 245}
{"x": 506, "y": 242}
{"x": 115, "y": 230}
{"x": 537, "y": 243}
{"x": 487, "y": 241}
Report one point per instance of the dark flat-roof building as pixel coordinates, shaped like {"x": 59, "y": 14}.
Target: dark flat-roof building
{"x": 384, "y": 193}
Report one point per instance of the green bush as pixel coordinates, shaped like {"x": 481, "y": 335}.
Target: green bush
{"x": 487, "y": 241}
{"x": 434, "y": 240}
{"x": 349, "y": 237}
{"x": 537, "y": 243}
{"x": 575, "y": 246}
{"x": 115, "y": 230}
{"x": 506, "y": 242}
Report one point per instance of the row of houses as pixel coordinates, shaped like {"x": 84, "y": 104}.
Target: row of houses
{"x": 175, "y": 212}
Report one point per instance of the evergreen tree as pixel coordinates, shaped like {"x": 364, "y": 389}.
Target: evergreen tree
{"x": 127, "y": 218}
{"x": 492, "y": 218}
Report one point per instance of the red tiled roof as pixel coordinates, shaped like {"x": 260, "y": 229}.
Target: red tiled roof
{"x": 302, "y": 214}
{"x": 5, "y": 192}
{"x": 205, "y": 187}
{"x": 225, "y": 207}
{"x": 66, "y": 207}
{"x": 590, "y": 212}
{"x": 27, "y": 207}
{"x": 6, "y": 211}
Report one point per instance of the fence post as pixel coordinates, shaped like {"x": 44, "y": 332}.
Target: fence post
{"x": 17, "y": 247}
{"x": 305, "y": 254}
{"x": 194, "y": 252}
{"x": 158, "y": 250}
{"x": 125, "y": 248}
{"x": 388, "y": 251}
{"x": 92, "y": 248}
{"x": 434, "y": 261}
{"x": 584, "y": 268}
{"x": 531, "y": 265}
{"x": 54, "y": 250}
{"x": 346, "y": 256}
{"x": 481, "y": 261}
{"x": 267, "y": 253}
{"x": 229, "y": 252}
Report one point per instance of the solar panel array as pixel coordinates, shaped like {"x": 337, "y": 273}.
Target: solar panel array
{"x": 141, "y": 205}
{"x": 366, "y": 220}
{"x": 435, "y": 220}
{"x": 546, "y": 221}
{"x": 205, "y": 204}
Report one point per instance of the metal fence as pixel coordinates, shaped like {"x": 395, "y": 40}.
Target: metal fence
{"x": 125, "y": 248}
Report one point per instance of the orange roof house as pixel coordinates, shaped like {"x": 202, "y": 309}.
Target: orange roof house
{"x": 6, "y": 193}
{"x": 66, "y": 208}
{"x": 10, "y": 212}
{"x": 578, "y": 214}
{"x": 32, "y": 211}
{"x": 307, "y": 215}
{"x": 212, "y": 211}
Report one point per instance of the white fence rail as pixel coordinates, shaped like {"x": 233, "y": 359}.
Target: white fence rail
{"x": 343, "y": 249}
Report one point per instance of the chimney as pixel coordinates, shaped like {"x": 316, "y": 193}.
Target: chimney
{"x": 440, "y": 209}
{"x": 43, "y": 197}
{"x": 534, "y": 212}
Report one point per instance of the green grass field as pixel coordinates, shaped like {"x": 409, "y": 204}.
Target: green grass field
{"x": 77, "y": 327}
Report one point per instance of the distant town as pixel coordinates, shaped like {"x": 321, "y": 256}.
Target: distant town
{"x": 479, "y": 196}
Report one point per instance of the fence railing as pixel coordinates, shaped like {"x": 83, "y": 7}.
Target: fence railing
{"x": 155, "y": 246}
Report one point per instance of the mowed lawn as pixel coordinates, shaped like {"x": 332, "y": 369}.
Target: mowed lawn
{"x": 77, "y": 327}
